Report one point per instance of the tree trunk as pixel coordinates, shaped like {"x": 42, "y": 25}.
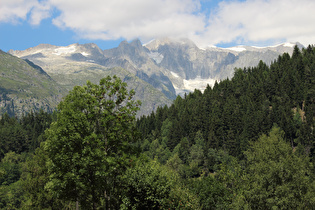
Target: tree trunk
{"x": 77, "y": 205}
{"x": 107, "y": 201}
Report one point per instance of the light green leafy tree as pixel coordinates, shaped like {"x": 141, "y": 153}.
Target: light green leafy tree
{"x": 91, "y": 143}
{"x": 276, "y": 176}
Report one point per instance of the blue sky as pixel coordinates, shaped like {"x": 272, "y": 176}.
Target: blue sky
{"x": 27, "y": 23}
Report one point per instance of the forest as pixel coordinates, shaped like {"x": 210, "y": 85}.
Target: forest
{"x": 246, "y": 143}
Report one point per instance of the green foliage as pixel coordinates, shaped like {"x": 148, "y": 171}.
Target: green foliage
{"x": 276, "y": 177}
{"x": 214, "y": 158}
{"x": 197, "y": 155}
{"x": 10, "y": 169}
{"x": 34, "y": 177}
{"x": 211, "y": 192}
{"x": 175, "y": 163}
{"x": 19, "y": 137}
{"x": 150, "y": 185}
{"x": 91, "y": 143}
{"x": 11, "y": 194}
{"x": 157, "y": 150}
{"x": 25, "y": 134}
{"x": 13, "y": 137}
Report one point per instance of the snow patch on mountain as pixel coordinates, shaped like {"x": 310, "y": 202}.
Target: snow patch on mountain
{"x": 192, "y": 84}
{"x": 198, "y": 83}
{"x": 35, "y": 52}
{"x": 156, "y": 56}
{"x": 65, "y": 50}
{"x": 237, "y": 48}
{"x": 85, "y": 53}
{"x": 174, "y": 74}
{"x": 289, "y": 44}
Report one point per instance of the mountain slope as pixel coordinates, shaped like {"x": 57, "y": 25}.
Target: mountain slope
{"x": 25, "y": 87}
{"x": 134, "y": 58}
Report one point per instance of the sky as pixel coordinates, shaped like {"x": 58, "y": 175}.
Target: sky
{"x": 221, "y": 23}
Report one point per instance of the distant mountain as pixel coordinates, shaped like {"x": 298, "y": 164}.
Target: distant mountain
{"x": 134, "y": 58}
{"x": 158, "y": 70}
{"x": 26, "y": 87}
{"x": 75, "y": 64}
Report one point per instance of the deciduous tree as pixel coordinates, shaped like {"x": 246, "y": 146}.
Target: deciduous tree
{"x": 90, "y": 144}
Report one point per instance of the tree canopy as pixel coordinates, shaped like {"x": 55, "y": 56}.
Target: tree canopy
{"x": 92, "y": 142}
{"x": 276, "y": 176}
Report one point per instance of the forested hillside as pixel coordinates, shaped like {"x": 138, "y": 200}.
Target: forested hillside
{"x": 246, "y": 143}
{"x": 237, "y": 111}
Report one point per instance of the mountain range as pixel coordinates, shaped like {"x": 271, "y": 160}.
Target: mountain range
{"x": 158, "y": 71}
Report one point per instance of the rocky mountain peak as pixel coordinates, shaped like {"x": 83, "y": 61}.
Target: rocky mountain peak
{"x": 133, "y": 50}
{"x": 135, "y": 45}
{"x": 156, "y": 43}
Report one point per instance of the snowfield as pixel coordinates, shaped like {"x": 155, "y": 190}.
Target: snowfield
{"x": 65, "y": 50}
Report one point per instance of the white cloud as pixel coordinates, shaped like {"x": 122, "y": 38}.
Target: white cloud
{"x": 13, "y": 10}
{"x": 39, "y": 12}
{"x": 129, "y": 19}
{"x": 243, "y": 22}
{"x": 262, "y": 20}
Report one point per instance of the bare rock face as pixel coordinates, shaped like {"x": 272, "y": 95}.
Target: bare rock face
{"x": 134, "y": 58}
{"x": 158, "y": 70}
